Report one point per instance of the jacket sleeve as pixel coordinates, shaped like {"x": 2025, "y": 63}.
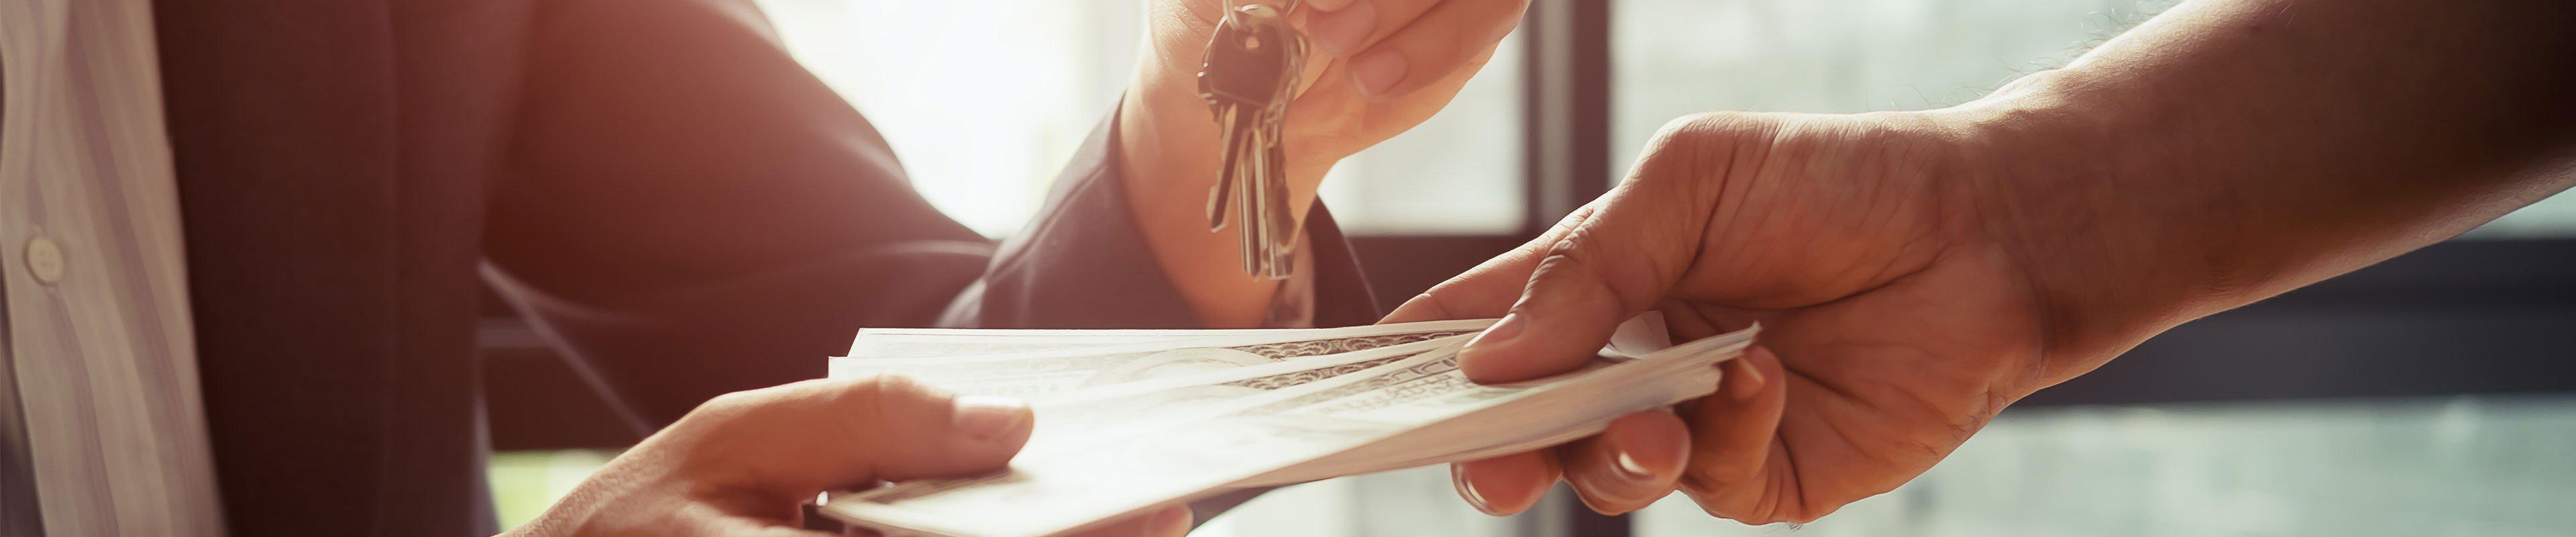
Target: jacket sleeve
{"x": 685, "y": 211}
{"x": 1082, "y": 262}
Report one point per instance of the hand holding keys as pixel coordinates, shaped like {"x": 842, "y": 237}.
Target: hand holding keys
{"x": 1248, "y": 76}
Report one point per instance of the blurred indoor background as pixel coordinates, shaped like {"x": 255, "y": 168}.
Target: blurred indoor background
{"x": 2432, "y": 395}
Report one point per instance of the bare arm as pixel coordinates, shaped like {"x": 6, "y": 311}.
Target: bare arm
{"x": 2226, "y": 152}
{"x": 1915, "y": 273}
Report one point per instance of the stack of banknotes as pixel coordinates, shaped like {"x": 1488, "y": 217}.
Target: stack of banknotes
{"x": 1130, "y": 420}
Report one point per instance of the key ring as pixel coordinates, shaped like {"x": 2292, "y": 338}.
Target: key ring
{"x": 1291, "y": 7}
{"x": 1285, "y": 10}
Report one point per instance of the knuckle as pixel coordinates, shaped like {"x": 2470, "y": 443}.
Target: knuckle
{"x": 1701, "y": 128}
{"x": 861, "y": 407}
{"x": 1428, "y": 304}
{"x": 716, "y": 412}
{"x": 1684, "y": 149}
{"x": 1620, "y": 273}
{"x": 730, "y": 403}
{"x": 885, "y": 394}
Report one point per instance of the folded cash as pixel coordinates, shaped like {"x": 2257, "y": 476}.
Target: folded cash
{"x": 1132, "y": 420}
{"x": 935, "y": 342}
{"x": 1030, "y": 362}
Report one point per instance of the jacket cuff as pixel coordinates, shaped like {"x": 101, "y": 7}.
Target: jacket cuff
{"x": 1084, "y": 263}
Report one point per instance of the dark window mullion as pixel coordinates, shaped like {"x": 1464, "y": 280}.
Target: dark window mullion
{"x": 1566, "y": 92}
{"x": 1566, "y": 87}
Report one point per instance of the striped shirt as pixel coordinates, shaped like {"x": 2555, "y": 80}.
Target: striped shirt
{"x": 100, "y": 418}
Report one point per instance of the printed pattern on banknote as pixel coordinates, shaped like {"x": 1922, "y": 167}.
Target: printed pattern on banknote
{"x": 1291, "y": 349}
{"x": 1040, "y": 375}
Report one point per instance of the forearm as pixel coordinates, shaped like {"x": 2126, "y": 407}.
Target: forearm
{"x": 2229, "y": 151}
{"x": 1168, "y": 145}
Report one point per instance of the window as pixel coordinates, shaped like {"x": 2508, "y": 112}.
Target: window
{"x": 985, "y": 101}
{"x": 1676, "y": 57}
{"x": 2551, "y": 218}
{"x": 2458, "y": 465}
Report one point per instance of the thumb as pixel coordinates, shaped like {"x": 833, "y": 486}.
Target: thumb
{"x": 807, "y": 437}
{"x": 919, "y": 431}
{"x": 1601, "y": 269}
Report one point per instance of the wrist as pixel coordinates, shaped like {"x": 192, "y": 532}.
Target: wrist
{"x": 2086, "y": 212}
{"x": 1164, "y": 155}
{"x": 1169, "y": 148}
{"x": 1170, "y": 141}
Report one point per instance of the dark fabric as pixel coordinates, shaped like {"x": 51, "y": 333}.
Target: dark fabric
{"x": 653, "y": 182}
{"x": 20, "y": 514}
{"x": 1080, "y": 253}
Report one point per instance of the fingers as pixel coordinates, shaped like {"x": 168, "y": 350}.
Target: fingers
{"x": 1488, "y": 290}
{"x": 799, "y": 439}
{"x": 920, "y": 431}
{"x": 1505, "y": 485}
{"x": 1171, "y": 521}
{"x": 1399, "y": 46}
{"x": 1634, "y": 462}
{"x": 1484, "y": 292}
{"x": 1734, "y": 432}
{"x": 1602, "y": 270}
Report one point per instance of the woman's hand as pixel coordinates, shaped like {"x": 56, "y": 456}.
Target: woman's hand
{"x": 742, "y": 463}
{"x": 1375, "y": 68}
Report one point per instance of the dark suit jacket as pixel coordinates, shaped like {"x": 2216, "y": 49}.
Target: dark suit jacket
{"x": 653, "y": 182}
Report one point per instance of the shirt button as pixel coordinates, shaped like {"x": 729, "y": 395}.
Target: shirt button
{"x": 45, "y": 260}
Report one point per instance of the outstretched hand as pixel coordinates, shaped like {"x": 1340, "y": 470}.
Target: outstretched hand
{"x": 742, "y": 463}
{"x": 1895, "y": 323}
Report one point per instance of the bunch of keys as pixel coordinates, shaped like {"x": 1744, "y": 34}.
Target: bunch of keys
{"x": 1247, "y": 77}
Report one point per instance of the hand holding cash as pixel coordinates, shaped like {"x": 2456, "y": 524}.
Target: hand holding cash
{"x": 1130, "y": 420}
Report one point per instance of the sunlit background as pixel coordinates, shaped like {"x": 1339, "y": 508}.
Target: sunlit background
{"x": 984, "y": 102}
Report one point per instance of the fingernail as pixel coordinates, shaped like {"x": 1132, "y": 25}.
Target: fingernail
{"x": 1377, "y": 72}
{"x": 984, "y": 417}
{"x": 1629, "y": 468}
{"x": 1467, "y": 491}
{"x": 1752, "y": 384}
{"x": 1172, "y": 521}
{"x": 1502, "y": 331}
{"x": 1342, "y": 31}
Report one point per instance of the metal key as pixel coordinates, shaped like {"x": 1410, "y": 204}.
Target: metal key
{"x": 1247, "y": 77}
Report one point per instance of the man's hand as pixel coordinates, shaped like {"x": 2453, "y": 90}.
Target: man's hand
{"x": 743, "y": 462}
{"x": 1917, "y": 272}
{"x": 1894, "y": 325}
{"x": 1377, "y": 68}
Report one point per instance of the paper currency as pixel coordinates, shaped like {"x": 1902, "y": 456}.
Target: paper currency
{"x": 1110, "y": 445}
{"x": 899, "y": 342}
{"x": 1102, "y": 410}
{"x": 945, "y": 342}
{"x": 1076, "y": 365}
